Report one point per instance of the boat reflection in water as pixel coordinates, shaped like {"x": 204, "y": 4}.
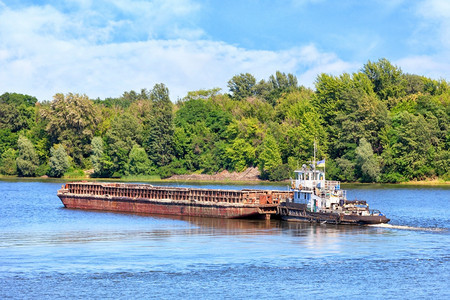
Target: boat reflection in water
{"x": 218, "y": 226}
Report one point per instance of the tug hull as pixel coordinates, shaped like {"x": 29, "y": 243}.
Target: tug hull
{"x": 299, "y": 213}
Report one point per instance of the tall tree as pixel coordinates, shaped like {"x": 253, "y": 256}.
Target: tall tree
{"x": 138, "y": 162}
{"x": 276, "y": 86}
{"x": 160, "y": 129}
{"x": 103, "y": 166}
{"x": 17, "y": 111}
{"x": 27, "y": 160}
{"x": 302, "y": 125}
{"x": 72, "y": 121}
{"x": 59, "y": 161}
{"x": 388, "y": 80}
{"x": 270, "y": 157}
{"x": 368, "y": 165}
{"x": 125, "y": 132}
{"x": 410, "y": 145}
{"x": 351, "y": 111}
{"x": 242, "y": 86}
{"x": 240, "y": 155}
{"x": 8, "y": 164}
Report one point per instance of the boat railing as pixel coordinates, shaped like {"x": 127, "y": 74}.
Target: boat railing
{"x": 375, "y": 212}
{"x": 331, "y": 184}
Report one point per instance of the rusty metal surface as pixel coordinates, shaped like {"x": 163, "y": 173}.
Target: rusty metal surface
{"x": 148, "y": 199}
{"x": 168, "y": 207}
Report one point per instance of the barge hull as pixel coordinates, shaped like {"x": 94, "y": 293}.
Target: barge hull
{"x": 148, "y": 199}
{"x": 163, "y": 207}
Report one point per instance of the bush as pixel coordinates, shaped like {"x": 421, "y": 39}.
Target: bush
{"x": 59, "y": 161}
{"x": 176, "y": 167}
{"x": 138, "y": 162}
{"x": 42, "y": 170}
{"x": 277, "y": 173}
{"x": 27, "y": 161}
{"x": 76, "y": 173}
{"x": 8, "y": 164}
{"x": 392, "y": 178}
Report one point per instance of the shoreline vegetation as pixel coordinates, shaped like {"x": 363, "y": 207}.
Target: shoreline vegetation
{"x": 375, "y": 125}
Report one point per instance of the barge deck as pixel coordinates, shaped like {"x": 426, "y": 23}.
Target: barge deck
{"x": 149, "y": 199}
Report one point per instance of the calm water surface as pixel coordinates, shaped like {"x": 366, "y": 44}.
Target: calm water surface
{"x": 47, "y": 251}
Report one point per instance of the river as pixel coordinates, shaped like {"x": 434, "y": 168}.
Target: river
{"x": 50, "y": 252}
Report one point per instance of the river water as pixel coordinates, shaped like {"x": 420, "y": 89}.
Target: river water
{"x": 50, "y": 252}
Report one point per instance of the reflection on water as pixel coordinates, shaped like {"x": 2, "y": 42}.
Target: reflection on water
{"x": 191, "y": 226}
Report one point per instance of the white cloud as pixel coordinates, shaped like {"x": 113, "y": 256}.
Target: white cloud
{"x": 435, "y": 67}
{"x": 435, "y": 9}
{"x": 46, "y": 51}
{"x": 436, "y": 16}
{"x": 432, "y": 35}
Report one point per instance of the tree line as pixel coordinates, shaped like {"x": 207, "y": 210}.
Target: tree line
{"x": 376, "y": 125}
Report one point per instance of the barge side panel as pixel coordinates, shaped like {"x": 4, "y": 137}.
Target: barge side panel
{"x": 166, "y": 207}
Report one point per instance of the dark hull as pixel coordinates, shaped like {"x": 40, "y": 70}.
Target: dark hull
{"x": 302, "y": 215}
{"x": 163, "y": 207}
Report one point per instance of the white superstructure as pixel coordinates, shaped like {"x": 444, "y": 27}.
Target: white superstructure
{"x": 311, "y": 188}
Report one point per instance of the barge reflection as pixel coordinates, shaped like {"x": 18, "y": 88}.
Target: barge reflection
{"x": 117, "y": 226}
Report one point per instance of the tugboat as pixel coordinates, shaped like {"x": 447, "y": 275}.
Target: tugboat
{"x": 317, "y": 200}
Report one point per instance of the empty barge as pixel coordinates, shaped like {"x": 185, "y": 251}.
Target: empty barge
{"x": 149, "y": 199}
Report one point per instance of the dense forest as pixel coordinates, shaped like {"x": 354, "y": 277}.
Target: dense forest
{"x": 376, "y": 125}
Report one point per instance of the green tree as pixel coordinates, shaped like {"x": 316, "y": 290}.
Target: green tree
{"x": 345, "y": 170}
{"x": 328, "y": 101}
{"x": 388, "y": 80}
{"x": 159, "y": 132}
{"x": 270, "y": 157}
{"x": 240, "y": 155}
{"x": 8, "y": 139}
{"x": 27, "y": 160}
{"x": 242, "y": 86}
{"x": 199, "y": 134}
{"x": 351, "y": 110}
{"x": 8, "y": 164}
{"x": 367, "y": 163}
{"x": 125, "y": 132}
{"x": 138, "y": 162}
{"x": 281, "y": 81}
{"x": 59, "y": 161}
{"x": 410, "y": 145}
{"x": 202, "y": 94}
{"x": 17, "y": 111}
{"x": 103, "y": 166}
{"x": 300, "y": 127}
{"x": 72, "y": 121}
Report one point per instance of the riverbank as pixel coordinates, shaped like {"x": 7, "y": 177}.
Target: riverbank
{"x": 427, "y": 182}
{"x": 249, "y": 176}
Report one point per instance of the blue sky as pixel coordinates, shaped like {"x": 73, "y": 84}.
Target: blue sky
{"x": 103, "y": 48}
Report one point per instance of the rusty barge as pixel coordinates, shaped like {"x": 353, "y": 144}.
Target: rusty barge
{"x": 149, "y": 199}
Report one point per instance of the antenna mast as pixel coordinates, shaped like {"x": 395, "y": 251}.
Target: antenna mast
{"x": 314, "y": 162}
